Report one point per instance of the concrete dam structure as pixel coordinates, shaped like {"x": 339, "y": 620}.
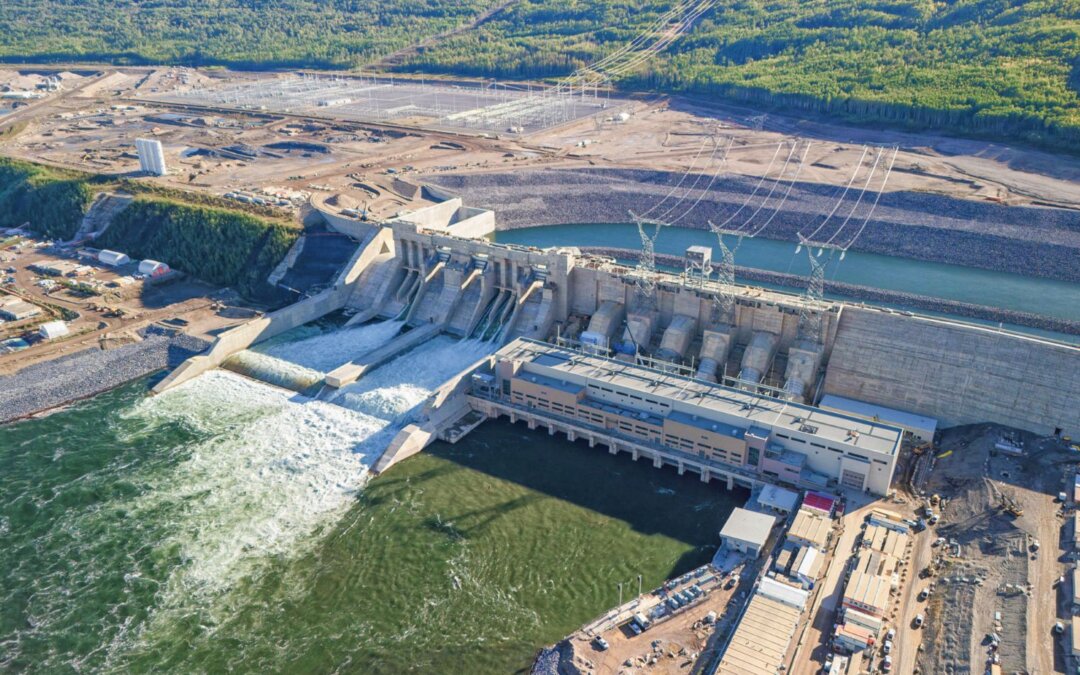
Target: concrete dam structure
{"x": 433, "y": 272}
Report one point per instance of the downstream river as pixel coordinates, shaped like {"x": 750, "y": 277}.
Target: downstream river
{"x": 939, "y": 280}
{"x": 230, "y": 525}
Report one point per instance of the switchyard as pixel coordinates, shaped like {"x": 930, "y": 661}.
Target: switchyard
{"x": 476, "y": 108}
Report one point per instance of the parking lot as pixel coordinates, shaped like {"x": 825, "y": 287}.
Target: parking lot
{"x": 679, "y": 619}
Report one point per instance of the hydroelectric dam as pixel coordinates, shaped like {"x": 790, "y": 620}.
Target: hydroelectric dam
{"x": 731, "y": 382}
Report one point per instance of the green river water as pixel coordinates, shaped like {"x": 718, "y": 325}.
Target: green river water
{"x": 229, "y": 526}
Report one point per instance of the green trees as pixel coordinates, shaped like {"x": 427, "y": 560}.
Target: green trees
{"x": 218, "y": 246}
{"x": 240, "y": 33}
{"x": 1004, "y": 69}
{"x": 51, "y": 201}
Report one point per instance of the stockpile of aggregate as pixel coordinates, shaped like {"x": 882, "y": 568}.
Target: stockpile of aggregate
{"x": 70, "y": 378}
{"x": 1028, "y": 240}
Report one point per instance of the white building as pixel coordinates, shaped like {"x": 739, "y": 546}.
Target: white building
{"x": 151, "y": 156}
{"x": 777, "y": 499}
{"x": 153, "y": 268}
{"x": 746, "y": 531}
{"x": 113, "y": 258}
{"x": 53, "y": 330}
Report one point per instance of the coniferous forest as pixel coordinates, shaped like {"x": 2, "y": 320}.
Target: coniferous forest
{"x": 1003, "y": 69}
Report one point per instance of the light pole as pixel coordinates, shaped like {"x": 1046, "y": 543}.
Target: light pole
{"x": 639, "y": 585}
{"x": 620, "y": 594}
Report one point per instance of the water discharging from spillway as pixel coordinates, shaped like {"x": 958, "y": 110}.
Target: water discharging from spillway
{"x": 250, "y": 474}
{"x": 301, "y": 365}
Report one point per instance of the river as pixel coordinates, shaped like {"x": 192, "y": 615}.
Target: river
{"x": 232, "y": 525}
{"x": 951, "y": 282}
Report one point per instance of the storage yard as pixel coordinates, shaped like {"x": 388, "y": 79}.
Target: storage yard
{"x": 118, "y": 322}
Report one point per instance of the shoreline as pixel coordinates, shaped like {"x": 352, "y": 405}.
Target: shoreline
{"x": 856, "y": 292}
{"x": 50, "y": 385}
{"x": 1033, "y": 241}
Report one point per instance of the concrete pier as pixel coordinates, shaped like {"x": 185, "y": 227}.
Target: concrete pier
{"x": 351, "y": 372}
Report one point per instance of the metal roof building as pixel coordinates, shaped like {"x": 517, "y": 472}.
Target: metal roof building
{"x": 747, "y": 531}
{"x": 888, "y": 541}
{"x": 920, "y": 426}
{"x": 810, "y": 528}
{"x": 762, "y": 638}
{"x": 777, "y": 499}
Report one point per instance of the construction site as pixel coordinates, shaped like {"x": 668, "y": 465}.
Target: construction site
{"x": 947, "y": 442}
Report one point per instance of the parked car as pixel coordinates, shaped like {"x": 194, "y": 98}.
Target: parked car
{"x": 918, "y": 622}
{"x": 600, "y": 643}
{"x": 886, "y": 664}
{"x": 924, "y": 594}
{"x": 886, "y": 647}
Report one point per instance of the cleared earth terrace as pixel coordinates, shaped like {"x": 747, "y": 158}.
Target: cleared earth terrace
{"x": 460, "y": 107}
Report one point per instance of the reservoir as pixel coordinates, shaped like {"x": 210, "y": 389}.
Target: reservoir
{"x": 951, "y": 282}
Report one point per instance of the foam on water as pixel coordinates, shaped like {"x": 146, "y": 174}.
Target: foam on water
{"x": 272, "y": 471}
{"x": 300, "y": 359}
{"x": 271, "y": 370}
{"x": 325, "y": 351}
{"x": 404, "y": 382}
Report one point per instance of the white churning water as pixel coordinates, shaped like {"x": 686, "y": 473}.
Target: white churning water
{"x": 271, "y": 470}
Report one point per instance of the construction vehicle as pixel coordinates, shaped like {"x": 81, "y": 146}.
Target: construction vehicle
{"x": 1011, "y": 507}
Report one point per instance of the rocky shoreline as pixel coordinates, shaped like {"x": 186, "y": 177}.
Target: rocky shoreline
{"x": 1028, "y": 240}
{"x": 50, "y": 384}
{"x": 909, "y": 300}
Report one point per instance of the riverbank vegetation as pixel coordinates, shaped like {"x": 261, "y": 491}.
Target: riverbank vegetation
{"x": 51, "y": 201}
{"x": 989, "y": 68}
{"x": 219, "y": 246}
{"x": 190, "y": 231}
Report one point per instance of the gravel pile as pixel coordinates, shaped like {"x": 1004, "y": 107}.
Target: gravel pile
{"x": 86, "y": 373}
{"x": 899, "y": 298}
{"x": 1034, "y": 241}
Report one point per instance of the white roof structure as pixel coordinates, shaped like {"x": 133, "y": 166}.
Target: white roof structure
{"x": 114, "y": 258}
{"x": 919, "y": 425}
{"x": 748, "y": 526}
{"x": 53, "y": 330}
{"x": 810, "y": 565}
{"x": 778, "y": 498}
{"x": 781, "y": 592}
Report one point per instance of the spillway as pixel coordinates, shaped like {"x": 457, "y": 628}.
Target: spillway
{"x": 300, "y": 359}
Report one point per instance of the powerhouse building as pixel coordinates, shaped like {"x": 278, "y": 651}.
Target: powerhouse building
{"x": 714, "y": 430}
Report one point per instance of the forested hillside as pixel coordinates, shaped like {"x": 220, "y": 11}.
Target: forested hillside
{"x": 325, "y": 33}
{"x": 1007, "y": 69}
{"x": 52, "y": 201}
{"x": 215, "y": 245}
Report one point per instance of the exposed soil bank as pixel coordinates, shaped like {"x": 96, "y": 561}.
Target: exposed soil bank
{"x": 1027, "y": 240}
{"x": 919, "y": 302}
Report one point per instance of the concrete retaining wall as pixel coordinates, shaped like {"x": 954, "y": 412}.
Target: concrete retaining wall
{"x": 263, "y": 328}
{"x": 354, "y": 228}
{"x": 957, "y": 373}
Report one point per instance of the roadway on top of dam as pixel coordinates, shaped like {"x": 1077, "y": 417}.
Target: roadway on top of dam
{"x": 1049, "y": 297}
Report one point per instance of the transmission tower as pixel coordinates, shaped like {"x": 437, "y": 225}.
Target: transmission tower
{"x": 646, "y": 277}
{"x": 725, "y": 272}
{"x": 809, "y": 312}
